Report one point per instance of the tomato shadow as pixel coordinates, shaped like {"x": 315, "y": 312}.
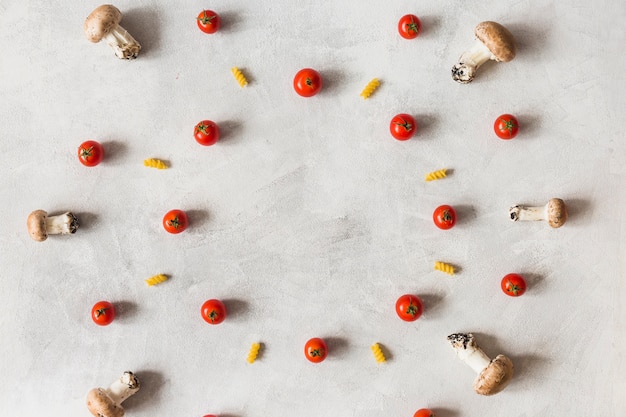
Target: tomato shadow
{"x": 445, "y": 412}
{"x": 464, "y": 214}
{"x": 529, "y": 125}
{"x": 534, "y": 282}
{"x": 430, "y": 25}
{"x": 125, "y": 310}
{"x": 139, "y": 22}
{"x": 426, "y": 125}
{"x": 229, "y": 22}
{"x": 433, "y": 305}
{"x": 113, "y": 151}
{"x": 197, "y": 217}
{"x": 227, "y": 131}
{"x": 337, "y": 346}
{"x": 332, "y": 81}
{"x": 148, "y": 396}
{"x": 236, "y": 308}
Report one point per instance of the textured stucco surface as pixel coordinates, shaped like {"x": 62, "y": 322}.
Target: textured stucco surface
{"x": 308, "y": 219}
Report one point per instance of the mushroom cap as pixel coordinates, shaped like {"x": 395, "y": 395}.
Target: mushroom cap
{"x": 556, "y": 212}
{"x": 101, "y": 405}
{"x": 497, "y": 39}
{"x": 100, "y": 22}
{"x": 36, "y": 224}
{"x": 495, "y": 377}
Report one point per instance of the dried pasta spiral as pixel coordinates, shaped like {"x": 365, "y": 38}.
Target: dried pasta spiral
{"x": 254, "y": 352}
{"x": 436, "y": 175}
{"x": 157, "y": 279}
{"x": 370, "y": 88}
{"x": 444, "y": 267}
{"x": 241, "y": 79}
{"x": 154, "y": 163}
{"x": 378, "y": 353}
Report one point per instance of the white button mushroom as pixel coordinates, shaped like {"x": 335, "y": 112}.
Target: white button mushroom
{"x": 493, "y": 374}
{"x": 493, "y": 42}
{"x": 103, "y": 23}
{"x": 40, "y": 225}
{"x": 107, "y": 402}
{"x": 554, "y": 212}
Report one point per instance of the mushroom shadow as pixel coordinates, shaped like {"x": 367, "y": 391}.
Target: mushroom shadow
{"x": 464, "y": 213}
{"x": 125, "y": 310}
{"x": 528, "y": 367}
{"x": 432, "y": 304}
{"x": 575, "y": 209}
{"x": 113, "y": 150}
{"x": 337, "y": 346}
{"x": 152, "y": 383}
{"x": 445, "y": 412}
{"x": 530, "y": 38}
{"x": 86, "y": 221}
{"x": 236, "y": 308}
{"x": 197, "y": 217}
{"x": 139, "y": 22}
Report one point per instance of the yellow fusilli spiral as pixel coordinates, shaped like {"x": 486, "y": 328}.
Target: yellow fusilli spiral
{"x": 444, "y": 267}
{"x": 378, "y": 353}
{"x": 254, "y": 352}
{"x": 241, "y": 79}
{"x": 154, "y": 163}
{"x": 436, "y": 175}
{"x": 370, "y": 88}
{"x": 157, "y": 279}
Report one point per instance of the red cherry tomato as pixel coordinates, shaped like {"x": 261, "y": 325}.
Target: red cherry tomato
{"x": 207, "y": 133}
{"x": 213, "y": 311}
{"x": 409, "y": 307}
{"x": 307, "y": 82}
{"x": 90, "y": 153}
{"x": 315, "y": 350}
{"x": 513, "y": 285}
{"x": 103, "y": 313}
{"x": 402, "y": 126}
{"x": 424, "y": 412}
{"x": 175, "y": 221}
{"x": 208, "y": 21}
{"x": 210, "y": 415}
{"x": 506, "y": 126}
{"x": 444, "y": 217}
{"x": 409, "y": 26}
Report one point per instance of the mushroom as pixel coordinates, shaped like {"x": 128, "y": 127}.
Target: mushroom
{"x": 107, "y": 402}
{"x": 103, "y": 23}
{"x": 493, "y": 41}
{"x": 554, "y": 212}
{"x": 493, "y": 374}
{"x": 40, "y": 225}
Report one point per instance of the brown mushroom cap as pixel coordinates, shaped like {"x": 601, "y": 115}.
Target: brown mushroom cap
{"x": 36, "y": 224}
{"x": 100, "y": 22}
{"x": 101, "y": 405}
{"x": 497, "y": 39}
{"x": 495, "y": 377}
{"x": 557, "y": 212}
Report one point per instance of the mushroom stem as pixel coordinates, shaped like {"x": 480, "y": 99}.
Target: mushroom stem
{"x": 469, "y": 352}
{"x": 528, "y": 213}
{"x": 62, "y": 224}
{"x": 124, "y": 387}
{"x": 124, "y": 45}
{"x": 465, "y": 70}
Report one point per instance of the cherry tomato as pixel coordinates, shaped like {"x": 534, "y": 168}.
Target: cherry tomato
{"x": 213, "y": 311}
{"x": 315, "y": 350}
{"x": 506, "y": 126}
{"x": 402, "y": 126}
{"x": 307, "y": 82}
{"x": 424, "y": 412}
{"x": 175, "y": 221}
{"x": 208, "y": 21}
{"x": 409, "y": 307}
{"x": 513, "y": 285}
{"x": 444, "y": 217}
{"x": 90, "y": 153}
{"x": 207, "y": 133}
{"x": 103, "y": 313}
{"x": 409, "y": 26}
